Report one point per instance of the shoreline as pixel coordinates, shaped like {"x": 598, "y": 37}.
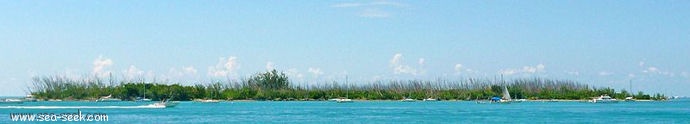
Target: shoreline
{"x": 361, "y": 100}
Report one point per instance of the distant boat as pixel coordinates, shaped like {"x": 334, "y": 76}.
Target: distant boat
{"x": 343, "y": 100}
{"x": 505, "y": 98}
{"x": 108, "y": 99}
{"x": 143, "y": 98}
{"x": 207, "y": 100}
{"x": 11, "y": 101}
{"x": 408, "y": 100}
{"x": 430, "y": 100}
{"x": 165, "y": 104}
{"x": 604, "y": 99}
{"x": 30, "y": 98}
{"x": 506, "y": 95}
{"x": 140, "y": 99}
{"x": 629, "y": 99}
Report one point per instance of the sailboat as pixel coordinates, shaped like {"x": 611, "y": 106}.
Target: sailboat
{"x": 143, "y": 98}
{"x": 506, "y": 96}
{"x": 346, "y": 99}
{"x": 630, "y": 98}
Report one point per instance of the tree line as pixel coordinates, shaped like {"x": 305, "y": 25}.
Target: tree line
{"x": 274, "y": 85}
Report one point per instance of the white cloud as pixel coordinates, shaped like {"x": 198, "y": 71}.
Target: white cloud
{"x": 387, "y": 3}
{"x": 369, "y": 4}
{"x": 652, "y": 69}
{"x": 539, "y": 68}
{"x": 631, "y": 75}
{"x": 100, "y": 65}
{"x": 458, "y": 68}
{"x": 182, "y": 72}
{"x": 224, "y": 67}
{"x": 189, "y": 70}
{"x": 132, "y": 72}
{"x": 150, "y": 75}
{"x": 507, "y": 71}
{"x": 576, "y": 73}
{"x": 400, "y": 68}
{"x": 293, "y": 72}
{"x": 655, "y": 70}
{"x": 421, "y": 61}
{"x": 396, "y": 59}
{"x": 345, "y": 5}
{"x": 641, "y": 64}
{"x": 684, "y": 74}
{"x": 371, "y": 9}
{"x": 270, "y": 66}
{"x": 315, "y": 71}
{"x": 374, "y": 13}
{"x": 605, "y": 73}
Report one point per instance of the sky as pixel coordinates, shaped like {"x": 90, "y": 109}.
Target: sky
{"x": 600, "y": 43}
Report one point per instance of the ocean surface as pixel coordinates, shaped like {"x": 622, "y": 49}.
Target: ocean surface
{"x": 663, "y": 112}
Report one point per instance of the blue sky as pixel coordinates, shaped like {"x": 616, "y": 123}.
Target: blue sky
{"x": 602, "y": 43}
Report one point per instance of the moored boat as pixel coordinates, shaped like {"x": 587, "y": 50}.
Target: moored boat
{"x": 11, "y": 101}
{"x": 629, "y": 99}
{"x": 30, "y": 98}
{"x": 207, "y": 100}
{"x": 139, "y": 99}
{"x": 604, "y": 99}
{"x": 408, "y": 100}
{"x": 343, "y": 100}
{"x": 108, "y": 98}
{"x": 430, "y": 100}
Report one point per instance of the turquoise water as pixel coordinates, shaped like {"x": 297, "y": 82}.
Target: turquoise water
{"x": 379, "y": 112}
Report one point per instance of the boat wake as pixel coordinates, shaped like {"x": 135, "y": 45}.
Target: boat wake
{"x": 83, "y": 107}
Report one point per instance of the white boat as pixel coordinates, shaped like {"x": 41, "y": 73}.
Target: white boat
{"x": 30, "y": 98}
{"x": 11, "y": 101}
{"x": 108, "y": 98}
{"x": 408, "y": 100}
{"x": 207, "y": 100}
{"x": 629, "y": 99}
{"x": 506, "y": 96}
{"x": 165, "y": 104}
{"x": 604, "y": 99}
{"x": 343, "y": 100}
{"x": 430, "y": 100}
{"x": 143, "y": 100}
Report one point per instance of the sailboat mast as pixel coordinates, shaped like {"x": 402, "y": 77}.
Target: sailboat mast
{"x": 630, "y": 86}
{"x": 144, "y": 94}
{"x": 347, "y": 93}
{"x": 506, "y": 94}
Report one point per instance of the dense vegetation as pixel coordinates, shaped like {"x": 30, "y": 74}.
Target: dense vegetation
{"x": 273, "y": 85}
